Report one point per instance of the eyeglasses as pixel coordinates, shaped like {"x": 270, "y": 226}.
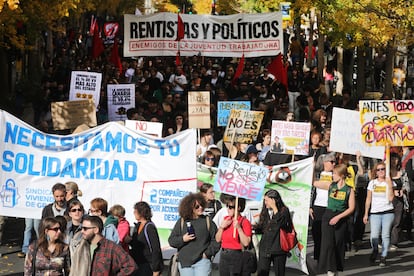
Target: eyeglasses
{"x": 85, "y": 228}
{"x": 210, "y": 158}
{"x": 231, "y": 207}
{"x": 55, "y": 229}
{"x": 380, "y": 169}
{"x": 198, "y": 207}
{"x": 76, "y": 210}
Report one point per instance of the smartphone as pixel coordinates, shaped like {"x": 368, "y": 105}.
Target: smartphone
{"x": 190, "y": 228}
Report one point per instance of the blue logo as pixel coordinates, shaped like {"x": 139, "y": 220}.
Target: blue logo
{"x": 153, "y": 196}
{"x": 9, "y": 194}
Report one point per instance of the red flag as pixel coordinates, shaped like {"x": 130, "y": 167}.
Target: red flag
{"x": 97, "y": 44}
{"x": 239, "y": 71}
{"x": 177, "y": 59}
{"x": 180, "y": 28}
{"x": 115, "y": 59}
{"x": 277, "y": 69}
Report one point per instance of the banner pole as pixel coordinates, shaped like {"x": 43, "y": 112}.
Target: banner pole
{"x": 236, "y": 209}
{"x": 387, "y": 168}
{"x": 231, "y": 143}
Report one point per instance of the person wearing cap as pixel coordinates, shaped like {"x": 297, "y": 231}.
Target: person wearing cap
{"x": 319, "y": 199}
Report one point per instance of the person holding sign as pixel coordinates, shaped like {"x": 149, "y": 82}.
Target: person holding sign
{"x": 232, "y": 244}
{"x": 379, "y": 206}
{"x": 273, "y": 216}
{"x": 341, "y": 204}
{"x": 194, "y": 236}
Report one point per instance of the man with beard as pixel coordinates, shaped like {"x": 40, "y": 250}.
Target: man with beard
{"x": 107, "y": 258}
{"x": 57, "y": 208}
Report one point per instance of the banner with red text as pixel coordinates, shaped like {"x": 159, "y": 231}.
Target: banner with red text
{"x": 208, "y": 35}
{"x": 387, "y": 122}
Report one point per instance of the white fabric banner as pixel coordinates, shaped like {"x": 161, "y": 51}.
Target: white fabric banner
{"x": 108, "y": 161}
{"x": 207, "y": 35}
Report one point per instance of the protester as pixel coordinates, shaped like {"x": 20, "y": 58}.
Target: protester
{"x": 72, "y": 191}
{"x": 341, "y": 204}
{"x": 99, "y": 207}
{"x": 213, "y": 205}
{"x": 118, "y": 212}
{"x": 145, "y": 243}
{"x": 49, "y": 255}
{"x": 74, "y": 225}
{"x": 58, "y": 207}
{"x": 108, "y": 258}
{"x": 273, "y": 216}
{"x": 234, "y": 234}
{"x": 194, "y": 237}
{"x": 381, "y": 211}
{"x": 398, "y": 202}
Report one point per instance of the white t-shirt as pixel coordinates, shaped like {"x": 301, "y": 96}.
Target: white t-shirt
{"x": 321, "y": 198}
{"x": 379, "y": 202}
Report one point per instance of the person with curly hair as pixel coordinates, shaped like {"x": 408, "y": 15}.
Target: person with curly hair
{"x": 50, "y": 252}
{"x": 194, "y": 237}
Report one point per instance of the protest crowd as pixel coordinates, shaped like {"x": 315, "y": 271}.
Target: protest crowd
{"x": 92, "y": 238}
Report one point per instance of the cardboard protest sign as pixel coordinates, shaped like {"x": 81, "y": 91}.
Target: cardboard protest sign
{"x": 199, "y": 109}
{"x": 109, "y": 161}
{"x": 387, "y": 122}
{"x": 240, "y": 179}
{"x": 251, "y": 35}
{"x": 224, "y": 108}
{"x": 85, "y": 85}
{"x": 121, "y": 97}
{"x": 151, "y": 128}
{"x": 70, "y": 114}
{"x": 290, "y": 137}
{"x": 346, "y": 135}
{"x": 243, "y": 126}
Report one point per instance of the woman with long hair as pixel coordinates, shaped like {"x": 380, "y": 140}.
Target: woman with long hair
{"x": 274, "y": 215}
{"x": 145, "y": 244}
{"x": 341, "y": 204}
{"x": 213, "y": 205}
{"x": 378, "y": 206}
{"x": 72, "y": 192}
{"x": 194, "y": 236}
{"x": 49, "y": 255}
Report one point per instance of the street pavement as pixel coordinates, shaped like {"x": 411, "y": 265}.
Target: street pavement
{"x": 400, "y": 262}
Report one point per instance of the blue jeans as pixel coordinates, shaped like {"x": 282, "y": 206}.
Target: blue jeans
{"x": 200, "y": 268}
{"x": 381, "y": 223}
{"x": 30, "y": 224}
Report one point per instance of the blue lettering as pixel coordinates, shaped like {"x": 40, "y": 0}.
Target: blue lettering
{"x": 113, "y": 142}
{"x": 7, "y": 161}
{"x": 34, "y": 141}
{"x": 130, "y": 166}
{"x": 53, "y": 170}
{"x": 31, "y": 164}
{"x": 175, "y": 145}
{"x": 116, "y": 171}
{"x": 67, "y": 169}
{"x": 143, "y": 142}
{"x": 11, "y": 133}
{"x": 21, "y": 159}
{"x": 81, "y": 166}
{"x": 66, "y": 143}
{"x": 98, "y": 143}
{"x": 129, "y": 147}
{"x": 99, "y": 169}
{"x": 23, "y": 138}
{"x": 51, "y": 142}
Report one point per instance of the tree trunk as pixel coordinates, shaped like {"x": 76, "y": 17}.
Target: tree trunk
{"x": 340, "y": 70}
{"x": 361, "y": 85}
{"x": 389, "y": 68}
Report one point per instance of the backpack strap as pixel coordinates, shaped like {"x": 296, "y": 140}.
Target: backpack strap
{"x": 208, "y": 223}
{"x": 146, "y": 235}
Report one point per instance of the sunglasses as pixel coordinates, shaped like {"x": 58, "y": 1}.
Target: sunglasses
{"x": 210, "y": 158}
{"x": 231, "y": 207}
{"x": 198, "y": 207}
{"x": 380, "y": 169}
{"x": 76, "y": 210}
{"x": 85, "y": 228}
{"x": 55, "y": 229}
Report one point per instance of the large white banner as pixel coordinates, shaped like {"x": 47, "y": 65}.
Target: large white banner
{"x": 108, "y": 161}
{"x": 223, "y": 36}
{"x": 85, "y": 85}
